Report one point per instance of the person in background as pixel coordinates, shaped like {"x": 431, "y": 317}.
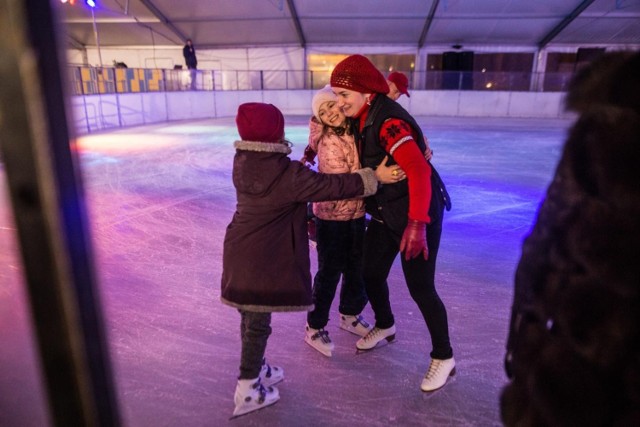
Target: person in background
{"x": 573, "y": 355}
{"x": 407, "y": 216}
{"x": 189, "y": 53}
{"x": 265, "y": 262}
{"x": 398, "y": 85}
{"x": 340, "y": 226}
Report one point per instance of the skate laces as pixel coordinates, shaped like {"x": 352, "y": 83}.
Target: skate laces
{"x": 434, "y": 367}
{"x": 322, "y": 335}
{"x": 262, "y": 391}
{"x": 372, "y": 334}
{"x": 267, "y": 367}
{"x": 359, "y": 319}
{"x": 268, "y": 373}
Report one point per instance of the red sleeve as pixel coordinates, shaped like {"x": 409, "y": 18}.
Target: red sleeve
{"x": 398, "y": 139}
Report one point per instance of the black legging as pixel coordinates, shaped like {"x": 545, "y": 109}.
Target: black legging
{"x": 340, "y": 250}
{"x": 381, "y": 249}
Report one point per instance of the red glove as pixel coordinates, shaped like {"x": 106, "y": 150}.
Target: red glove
{"x": 414, "y": 240}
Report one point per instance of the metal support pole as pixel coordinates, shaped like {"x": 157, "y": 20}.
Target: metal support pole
{"x": 95, "y": 32}
{"x": 538, "y": 71}
{"x": 47, "y": 202}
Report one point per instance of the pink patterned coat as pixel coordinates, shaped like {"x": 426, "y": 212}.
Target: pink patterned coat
{"x": 336, "y": 154}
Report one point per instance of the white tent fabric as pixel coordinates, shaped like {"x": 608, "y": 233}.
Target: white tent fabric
{"x": 215, "y": 24}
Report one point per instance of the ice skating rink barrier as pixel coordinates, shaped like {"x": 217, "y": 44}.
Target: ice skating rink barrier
{"x": 93, "y": 113}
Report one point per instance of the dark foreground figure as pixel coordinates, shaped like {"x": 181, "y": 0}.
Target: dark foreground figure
{"x": 573, "y": 353}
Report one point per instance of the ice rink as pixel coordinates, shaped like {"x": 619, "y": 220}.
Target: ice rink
{"x": 160, "y": 198}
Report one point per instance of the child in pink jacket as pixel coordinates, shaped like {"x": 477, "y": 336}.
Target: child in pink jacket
{"x": 340, "y": 226}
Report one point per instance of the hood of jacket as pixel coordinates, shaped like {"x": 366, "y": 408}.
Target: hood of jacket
{"x": 258, "y": 165}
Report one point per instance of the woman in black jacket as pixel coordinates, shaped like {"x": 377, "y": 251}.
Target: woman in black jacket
{"x": 406, "y": 216}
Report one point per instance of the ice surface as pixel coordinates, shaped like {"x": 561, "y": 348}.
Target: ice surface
{"x": 160, "y": 198}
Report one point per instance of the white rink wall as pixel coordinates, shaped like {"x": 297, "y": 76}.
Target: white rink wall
{"x": 92, "y": 113}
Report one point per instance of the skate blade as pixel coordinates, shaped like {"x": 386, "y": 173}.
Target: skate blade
{"x": 327, "y": 353}
{"x": 251, "y": 411}
{"x": 380, "y": 344}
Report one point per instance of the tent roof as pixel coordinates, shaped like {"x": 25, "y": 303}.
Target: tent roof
{"x": 419, "y": 23}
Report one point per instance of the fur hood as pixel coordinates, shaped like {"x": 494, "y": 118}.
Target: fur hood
{"x": 262, "y": 147}
{"x": 572, "y": 351}
{"x": 259, "y": 165}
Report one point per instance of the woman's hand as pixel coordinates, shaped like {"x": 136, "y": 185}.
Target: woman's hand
{"x": 414, "y": 240}
{"x": 428, "y": 152}
{"x": 389, "y": 174}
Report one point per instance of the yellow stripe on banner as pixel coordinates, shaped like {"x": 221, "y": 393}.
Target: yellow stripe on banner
{"x": 85, "y": 74}
{"x": 134, "y": 84}
{"x": 159, "y": 76}
{"x": 153, "y": 81}
{"x": 88, "y": 77}
{"x": 121, "y": 80}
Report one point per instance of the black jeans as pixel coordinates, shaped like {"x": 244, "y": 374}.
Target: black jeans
{"x": 381, "y": 249}
{"x": 339, "y": 254}
{"x": 255, "y": 329}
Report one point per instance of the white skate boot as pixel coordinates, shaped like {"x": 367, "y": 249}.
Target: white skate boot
{"x": 369, "y": 341}
{"x": 251, "y": 395}
{"x": 319, "y": 339}
{"x": 438, "y": 373}
{"x": 355, "y": 324}
{"x": 270, "y": 375}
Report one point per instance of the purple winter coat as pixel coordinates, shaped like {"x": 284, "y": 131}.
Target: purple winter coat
{"x": 265, "y": 262}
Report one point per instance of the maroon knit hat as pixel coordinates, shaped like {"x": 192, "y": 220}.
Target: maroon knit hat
{"x": 401, "y": 81}
{"x": 260, "y": 122}
{"x": 357, "y": 73}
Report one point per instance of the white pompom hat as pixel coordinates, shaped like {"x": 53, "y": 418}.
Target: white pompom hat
{"x": 323, "y": 95}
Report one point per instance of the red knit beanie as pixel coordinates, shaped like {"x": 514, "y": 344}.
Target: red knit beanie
{"x": 401, "y": 81}
{"x": 260, "y": 122}
{"x": 357, "y": 73}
